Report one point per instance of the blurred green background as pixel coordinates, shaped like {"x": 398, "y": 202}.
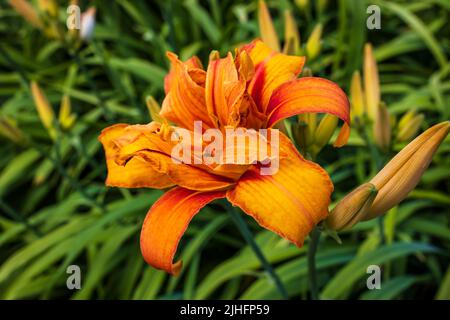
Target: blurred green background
{"x": 55, "y": 210}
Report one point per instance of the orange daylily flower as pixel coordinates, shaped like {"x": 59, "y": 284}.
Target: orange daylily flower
{"x": 253, "y": 90}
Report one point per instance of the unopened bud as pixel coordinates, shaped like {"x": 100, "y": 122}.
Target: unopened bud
{"x": 352, "y": 208}
{"x": 403, "y": 172}
{"x": 266, "y": 28}
{"x": 313, "y": 45}
{"x": 382, "y": 128}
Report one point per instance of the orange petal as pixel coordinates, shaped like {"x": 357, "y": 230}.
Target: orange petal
{"x": 185, "y": 99}
{"x": 192, "y": 63}
{"x": 272, "y": 70}
{"x": 166, "y": 222}
{"x": 224, "y": 90}
{"x": 290, "y": 202}
{"x": 184, "y": 175}
{"x": 136, "y": 173}
{"x": 309, "y": 94}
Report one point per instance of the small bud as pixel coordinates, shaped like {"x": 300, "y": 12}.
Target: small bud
{"x": 266, "y": 28}
{"x": 371, "y": 83}
{"x": 28, "y": 12}
{"x": 382, "y": 128}
{"x": 44, "y": 109}
{"x": 352, "y": 208}
{"x": 291, "y": 34}
{"x": 406, "y": 118}
{"x": 313, "y": 45}
{"x": 409, "y": 131}
{"x": 9, "y": 129}
{"x": 154, "y": 109}
{"x": 66, "y": 117}
{"x": 357, "y": 97}
{"x": 325, "y": 130}
{"x": 302, "y": 4}
{"x": 49, "y": 6}
{"x": 87, "y": 24}
{"x": 403, "y": 172}
{"x": 309, "y": 122}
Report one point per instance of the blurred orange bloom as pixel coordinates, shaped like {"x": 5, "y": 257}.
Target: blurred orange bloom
{"x": 254, "y": 90}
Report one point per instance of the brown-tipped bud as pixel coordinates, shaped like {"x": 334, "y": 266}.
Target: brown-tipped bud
{"x": 382, "y": 128}
{"x": 9, "y": 129}
{"x": 266, "y": 28}
{"x": 28, "y": 12}
{"x": 352, "y": 208}
{"x": 403, "y": 172}
{"x": 291, "y": 34}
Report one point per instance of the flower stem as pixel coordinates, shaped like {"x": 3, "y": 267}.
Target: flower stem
{"x": 312, "y": 270}
{"x": 246, "y": 233}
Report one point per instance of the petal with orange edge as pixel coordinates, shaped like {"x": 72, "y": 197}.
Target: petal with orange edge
{"x": 185, "y": 100}
{"x": 290, "y": 202}
{"x": 310, "y": 94}
{"x": 166, "y": 222}
{"x": 272, "y": 70}
{"x": 136, "y": 173}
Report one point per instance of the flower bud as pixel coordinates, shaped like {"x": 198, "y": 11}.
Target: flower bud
{"x": 356, "y": 97}
{"x": 291, "y": 34}
{"x": 87, "y": 24}
{"x": 154, "y": 109}
{"x": 382, "y": 128}
{"x": 266, "y": 28}
{"x": 408, "y": 126}
{"x": 403, "y": 172}
{"x": 10, "y": 130}
{"x": 371, "y": 83}
{"x": 325, "y": 130}
{"x": 27, "y": 12}
{"x": 313, "y": 44}
{"x": 352, "y": 208}
{"x": 49, "y": 6}
{"x": 66, "y": 117}
{"x": 44, "y": 109}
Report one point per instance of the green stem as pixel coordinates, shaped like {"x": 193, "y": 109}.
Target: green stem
{"x": 312, "y": 270}
{"x": 246, "y": 233}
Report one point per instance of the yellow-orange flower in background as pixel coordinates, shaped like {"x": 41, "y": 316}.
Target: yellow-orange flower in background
{"x": 254, "y": 90}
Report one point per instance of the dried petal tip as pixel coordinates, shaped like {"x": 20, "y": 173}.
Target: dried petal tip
{"x": 352, "y": 208}
{"x": 403, "y": 172}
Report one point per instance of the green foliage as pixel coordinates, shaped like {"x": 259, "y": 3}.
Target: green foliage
{"x": 55, "y": 210}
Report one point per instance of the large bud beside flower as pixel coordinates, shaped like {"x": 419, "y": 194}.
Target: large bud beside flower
{"x": 403, "y": 172}
{"x": 392, "y": 184}
{"x": 352, "y": 208}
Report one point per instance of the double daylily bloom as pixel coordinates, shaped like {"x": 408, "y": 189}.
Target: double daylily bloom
{"x": 254, "y": 89}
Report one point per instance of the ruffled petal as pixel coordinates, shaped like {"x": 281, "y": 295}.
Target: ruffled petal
{"x": 185, "y": 99}
{"x": 224, "y": 91}
{"x": 272, "y": 70}
{"x": 136, "y": 173}
{"x": 290, "y": 202}
{"x": 310, "y": 94}
{"x": 166, "y": 223}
